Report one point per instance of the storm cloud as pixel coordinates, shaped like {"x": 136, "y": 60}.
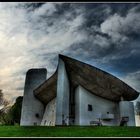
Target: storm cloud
{"x": 105, "y": 35}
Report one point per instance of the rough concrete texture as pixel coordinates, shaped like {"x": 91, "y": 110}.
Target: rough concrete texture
{"x": 100, "y": 107}
{"x": 127, "y": 110}
{"x": 137, "y": 120}
{"x": 96, "y": 81}
{"x": 49, "y": 114}
{"x": 32, "y": 108}
{"x": 62, "y": 98}
{"x": 47, "y": 90}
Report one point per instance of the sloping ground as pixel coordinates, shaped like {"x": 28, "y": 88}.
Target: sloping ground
{"x": 72, "y": 131}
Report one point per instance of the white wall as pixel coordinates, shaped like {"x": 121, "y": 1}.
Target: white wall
{"x": 137, "y": 119}
{"x": 62, "y": 98}
{"x": 49, "y": 114}
{"x": 99, "y": 105}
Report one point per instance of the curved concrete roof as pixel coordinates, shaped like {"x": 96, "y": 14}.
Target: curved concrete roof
{"x": 96, "y": 81}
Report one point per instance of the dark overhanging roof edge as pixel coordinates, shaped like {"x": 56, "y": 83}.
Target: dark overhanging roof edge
{"x": 64, "y": 56}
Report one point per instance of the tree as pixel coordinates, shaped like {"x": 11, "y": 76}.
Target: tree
{"x": 15, "y": 110}
{"x": 3, "y": 101}
{"x": 1, "y": 97}
{"x": 9, "y": 115}
{"x": 4, "y": 107}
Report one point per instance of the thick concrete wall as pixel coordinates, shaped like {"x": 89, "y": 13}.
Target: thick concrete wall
{"x": 127, "y": 110}
{"x": 62, "y": 100}
{"x": 100, "y": 107}
{"x": 32, "y": 108}
{"x": 49, "y": 115}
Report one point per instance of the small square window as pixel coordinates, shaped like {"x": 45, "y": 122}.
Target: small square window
{"x": 89, "y": 107}
{"x": 37, "y": 115}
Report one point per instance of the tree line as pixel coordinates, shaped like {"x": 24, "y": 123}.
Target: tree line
{"x": 10, "y": 114}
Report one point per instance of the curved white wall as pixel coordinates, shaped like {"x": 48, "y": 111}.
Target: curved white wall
{"x": 100, "y": 107}
{"x": 127, "y": 110}
{"x": 31, "y": 105}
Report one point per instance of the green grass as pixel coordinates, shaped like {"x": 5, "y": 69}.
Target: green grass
{"x": 71, "y": 131}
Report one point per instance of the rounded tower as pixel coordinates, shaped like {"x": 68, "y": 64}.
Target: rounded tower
{"x": 32, "y": 108}
{"x": 127, "y": 112}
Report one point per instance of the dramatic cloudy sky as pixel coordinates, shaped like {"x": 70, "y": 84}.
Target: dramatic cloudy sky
{"x": 33, "y": 34}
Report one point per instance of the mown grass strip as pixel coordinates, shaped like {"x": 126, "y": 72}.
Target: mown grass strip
{"x": 69, "y": 131}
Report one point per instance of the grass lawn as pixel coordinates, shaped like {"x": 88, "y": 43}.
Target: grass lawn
{"x": 71, "y": 131}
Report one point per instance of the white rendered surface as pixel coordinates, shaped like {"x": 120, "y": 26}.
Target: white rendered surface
{"x": 49, "y": 114}
{"x": 100, "y": 107}
{"x": 62, "y": 98}
{"x": 127, "y": 110}
{"x": 137, "y": 119}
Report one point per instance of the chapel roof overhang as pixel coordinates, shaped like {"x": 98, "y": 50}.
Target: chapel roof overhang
{"x": 95, "y": 80}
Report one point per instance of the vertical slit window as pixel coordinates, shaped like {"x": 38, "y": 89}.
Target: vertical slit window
{"x": 89, "y": 107}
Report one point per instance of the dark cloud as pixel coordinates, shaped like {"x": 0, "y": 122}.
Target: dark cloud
{"x": 105, "y": 35}
{"x": 113, "y": 52}
{"x": 30, "y": 6}
{"x": 126, "y": 65}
